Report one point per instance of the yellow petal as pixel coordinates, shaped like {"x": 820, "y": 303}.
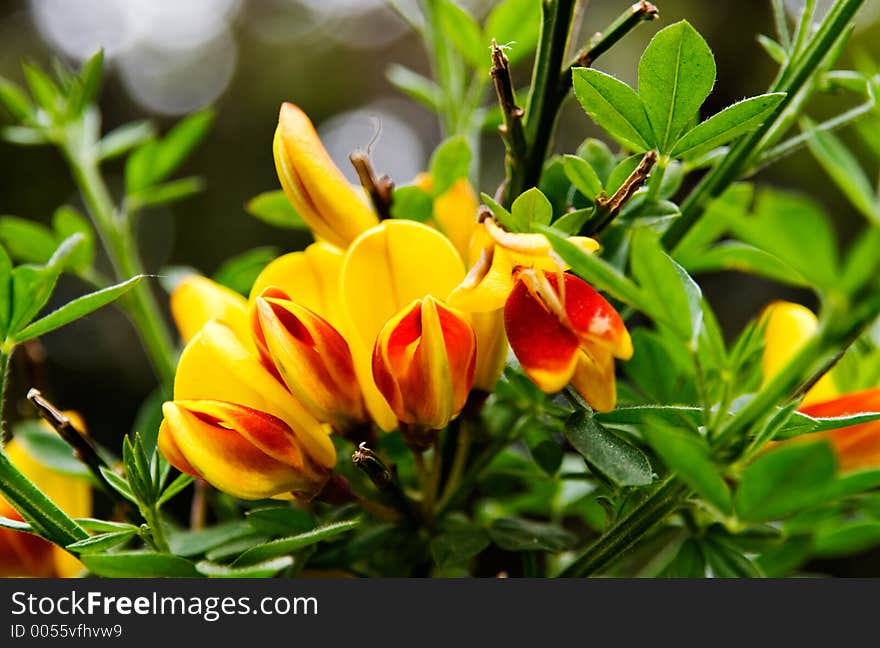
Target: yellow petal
{"x": 487, "y": 285}
{"x": 197, "y": 299}
{"x": 455, "y": 212}
{"x": 314, "y": 184}
{"x": 385, "y": 269}
{"x": 594, "y": 378}
{"x": 491, "y": 348}
{"x": 788, "y": 327}
{"x": 215, "y": 365}
{"x": 310, "y": 278}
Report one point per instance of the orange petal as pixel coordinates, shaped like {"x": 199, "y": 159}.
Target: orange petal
{"x": 311, "y": 357}
{"x": 547, "y": 350}
{"x": 857, "y": 446}
{"x": 423, "y": 363}
{"x": 593, "y": 318}
{"x": 314, "y": 184}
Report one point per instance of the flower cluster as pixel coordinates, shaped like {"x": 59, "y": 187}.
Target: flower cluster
{"x": 377, "y": 323}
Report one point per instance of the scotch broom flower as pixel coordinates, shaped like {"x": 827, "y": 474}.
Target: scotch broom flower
{"x": 314, "y": 184}
{"x": 25, "y": 554}
{"x": 423, "y": 363}
{"x": 788, "y": 326}
{"x": 242, "y": 451}
{"x": 565, "y": 334}
{"x": 197, "y": 299}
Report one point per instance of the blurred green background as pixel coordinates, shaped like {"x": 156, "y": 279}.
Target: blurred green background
{"x": 244, "y": 57}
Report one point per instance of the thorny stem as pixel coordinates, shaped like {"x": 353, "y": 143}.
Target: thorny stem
{"x": 378, "y": 188}
{"x": 607, "y": 209}
{"x": 742, "y": 153}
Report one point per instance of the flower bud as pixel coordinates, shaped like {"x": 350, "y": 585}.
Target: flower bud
{"x": 423, "y": 363}
{"x": 314, "y": 184}
{"x": 310, "y": 356}
{"x": 197, "y": 299}
{"x": 241, "y": 451}
{"x": 568, "y": 335}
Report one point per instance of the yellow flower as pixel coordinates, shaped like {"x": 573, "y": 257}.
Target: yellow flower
{"x": 788, "y": 326}
{"x": 24, "y": 554}
{"x": 197, "y": 299}
{"x": 423, "y": 363}
{"x": 314, "y": 184}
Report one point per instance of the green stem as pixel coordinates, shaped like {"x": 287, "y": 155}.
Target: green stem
{"x": 5, "y": 357}
{"x": 117, "y": 236}
{"x": 157, "y": 531}
{"x": 667, "y": 496}
{"x": 739, "y": 158}
{"x": 459, "y": 462}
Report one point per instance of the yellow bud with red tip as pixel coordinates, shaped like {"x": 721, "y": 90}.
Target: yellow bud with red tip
{"x": 197, "y": 299}
{"x": 423, "y": 363}
{"x": 314, "y": 184}
{"x": 565, "y": 332}
{"x": 310, "y": 356}
{"x": 239, "y": 450}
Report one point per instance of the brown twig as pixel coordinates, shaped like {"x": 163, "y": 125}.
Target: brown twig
{"x": 378, "y": 188}
{"x": 607, "y": 209}
{"x": 383, "y": 478}
{"x": 512, "y": 129}
{"x": 600, "y": 43}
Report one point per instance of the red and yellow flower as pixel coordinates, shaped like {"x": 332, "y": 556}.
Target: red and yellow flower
{"x": 788, "y": 326}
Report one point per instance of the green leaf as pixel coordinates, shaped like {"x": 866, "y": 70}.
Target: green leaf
{"x": 671, "y": 294}
{"x": 844, "y": 170}
{"x": 862, "y": 261}
{"x": 43, "y": 89}
{"x": 285, "y": 546}
{"x": 741, "y": 257}
{"x": 175, "y": 487}
{"x": 847, "y": 539}
{"x": 597, "y": 154}
{"x": 676, "y": 74}
{"x": 15, "y": 525}
{"x": 179, "y": 143}
{"x": 49, "y": 449}
{"x": 241, "y": 271}
{"x": 785, "y": 480}
{"x": 266, "y": 569}
{"x": 573, "y": 222}
{"x": 499, "y": 212}
{"x": 450, "y": 162}
{"x": 163, "y": 194}
{"x": 463, "y": 32}
{"x": 516, "y": 534}
{"x": 615, "y": 107}
{"x": 44, "y": 517}
{"x": 412, "y": 203}
{"x": 281, "y": 520}
{"x": 607, "y": 453}
{"x": 738, "y": 119}
{"x": 23, "y": 136}
{"x": 139, "y": 564}
{"x": 15, "y": 101}
{"x": 639, "y": 414}
{"x": 687, "y": 455}
{"x": 796, "y": 230}
{"x": 688, "y": 562}
{"x": 582, "y": 176}
{"x": 193, "y": 543}
{"x": 621, "y": 172}
{"x": 74, "y": 310}
{"x": 32, "y": 285}
{"x": 67, "y": 221}
{"x": 458, "y": 545}
{"x": 121, "y": 140}
{"x": 27, "y": 241}
{"x": 119, "y": 484}
{"x": 274, "y": 208}
{"x": 139, "y": 167}
{"x": 531, "y": 208}
{"x": 420, "y": 88}
{"x": 774, "y": 50}
{"x": 101, "y": 542}
{"x": 727, "y": 561}
{"x": 88, "y": 83}
{"x": 515, "y": 25}
{"x": 105, "y": 526}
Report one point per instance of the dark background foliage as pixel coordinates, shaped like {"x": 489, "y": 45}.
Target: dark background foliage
{"x": 245, "y": 57}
